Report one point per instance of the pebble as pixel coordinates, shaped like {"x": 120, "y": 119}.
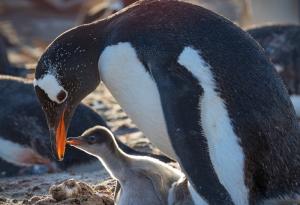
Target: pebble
{"x": 2, "y": 199}
{"x": 36, "y": 188}
{"x": 34, "y": 199}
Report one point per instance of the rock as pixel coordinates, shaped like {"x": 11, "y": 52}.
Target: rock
{"x": 67, "y": 189}
{"x": 77, "y": 192}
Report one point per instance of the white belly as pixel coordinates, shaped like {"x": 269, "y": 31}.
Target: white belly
{"x": 127, "y": 79}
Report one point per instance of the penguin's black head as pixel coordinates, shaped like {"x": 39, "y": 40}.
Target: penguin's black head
{"x": 94, "y": 140}
{"x": 65, "y": 74}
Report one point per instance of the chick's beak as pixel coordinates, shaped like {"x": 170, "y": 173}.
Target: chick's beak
{"x": 75, "y": 141}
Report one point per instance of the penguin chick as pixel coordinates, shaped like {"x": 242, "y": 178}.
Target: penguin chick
{"x": 143, "y": 180}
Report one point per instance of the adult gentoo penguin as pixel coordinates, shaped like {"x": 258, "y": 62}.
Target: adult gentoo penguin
{"x": 197, "y": 85}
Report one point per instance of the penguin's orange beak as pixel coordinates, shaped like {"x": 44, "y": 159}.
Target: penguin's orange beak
{"x": 61, "y": 138}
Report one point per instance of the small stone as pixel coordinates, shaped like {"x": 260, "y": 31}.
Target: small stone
{"x": 15, "y": 201}
{"x": 34, "y": 199}
{"x": 36, "y": 188}
{"x": 28, "y": 194}
{"x": 2, "y": 199}
{"x": 25, "y": 201}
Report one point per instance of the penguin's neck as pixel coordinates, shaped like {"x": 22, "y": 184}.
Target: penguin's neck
{"x": 115, "y": 161}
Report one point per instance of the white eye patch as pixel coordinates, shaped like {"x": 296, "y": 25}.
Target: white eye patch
{"x": 52, "y": 88}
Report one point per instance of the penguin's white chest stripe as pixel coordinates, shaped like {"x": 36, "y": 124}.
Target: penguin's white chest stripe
{"x": 127, "y": 79}
{"x": 224, "y": 150}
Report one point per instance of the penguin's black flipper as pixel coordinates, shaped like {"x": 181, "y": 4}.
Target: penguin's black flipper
{"x": 180, "y": 93}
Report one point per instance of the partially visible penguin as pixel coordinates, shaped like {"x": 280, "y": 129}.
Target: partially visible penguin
{"x": 23, "y": 129}
{"x": 238, "y": 11}
{"x": 24, "y": 140}
{"x": 282, "y": 45}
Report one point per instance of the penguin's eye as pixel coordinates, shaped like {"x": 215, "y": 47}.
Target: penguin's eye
{"x": 92, "y": 140}
{"x": 61, "y": 96}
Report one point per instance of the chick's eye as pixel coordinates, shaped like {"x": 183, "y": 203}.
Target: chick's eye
{"x": 92, "y": 140}
{"x": 61, "y": 96}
